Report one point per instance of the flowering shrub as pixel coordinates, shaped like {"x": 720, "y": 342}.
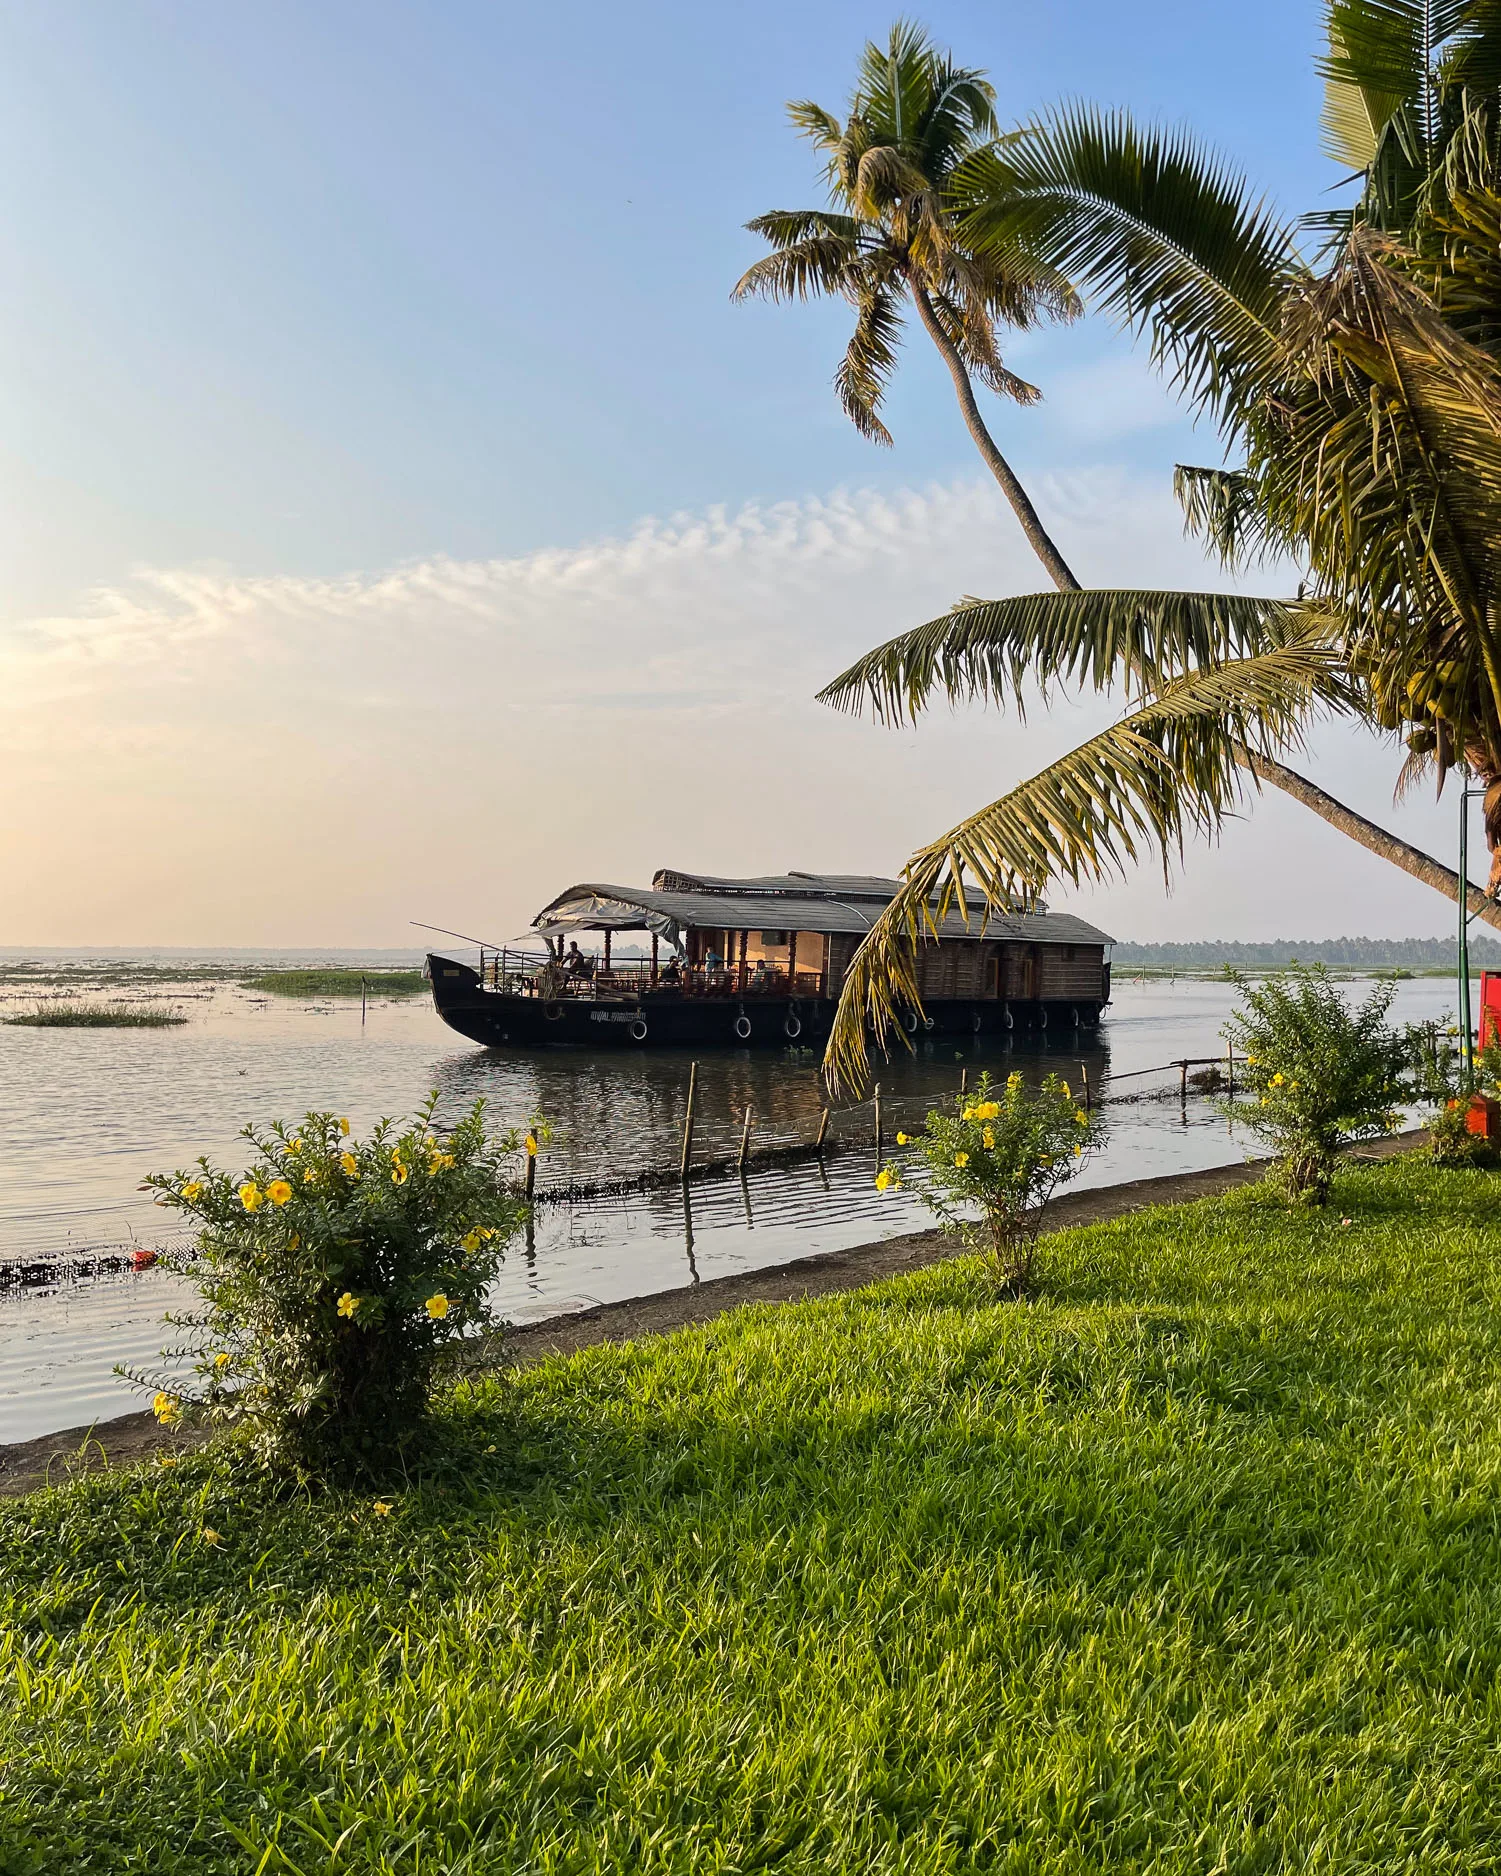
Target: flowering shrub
{"x": 1452, "y": 1091}
{"x": 1319, "y": 1072}
{"x": 338, "y": 1275}
{"x": 1002, "y": 1154}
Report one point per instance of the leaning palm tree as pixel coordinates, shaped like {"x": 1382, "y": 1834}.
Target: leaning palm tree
{"x": 1366, "y": 404}
{"x": 888, "y": 240}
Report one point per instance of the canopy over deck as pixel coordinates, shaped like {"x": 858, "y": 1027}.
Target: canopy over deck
{"x": 827, "y": 903}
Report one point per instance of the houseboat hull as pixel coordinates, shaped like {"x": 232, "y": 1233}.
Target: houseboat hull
{"x": 666, "y": 1018}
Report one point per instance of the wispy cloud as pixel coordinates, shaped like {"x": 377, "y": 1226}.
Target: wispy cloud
{"x": 198, "y": 755}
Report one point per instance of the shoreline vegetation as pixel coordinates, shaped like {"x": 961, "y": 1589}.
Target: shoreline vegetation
{"x": 909, "y": 1539}
{"x": 65, "y": 1013}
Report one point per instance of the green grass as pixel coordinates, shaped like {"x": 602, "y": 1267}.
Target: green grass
{"x": 1189, "y": 1565}
{"x": 64, "y": 1013}
{"x": 337, "y": 983}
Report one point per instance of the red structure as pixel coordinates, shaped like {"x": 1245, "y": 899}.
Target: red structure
{"x": 1490, "y": 1009}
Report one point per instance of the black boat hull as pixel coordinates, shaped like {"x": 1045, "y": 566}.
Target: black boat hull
{"x": 664, "y": 1018}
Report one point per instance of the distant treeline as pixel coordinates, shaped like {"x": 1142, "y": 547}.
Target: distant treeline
{"x": 1396, "y": 953}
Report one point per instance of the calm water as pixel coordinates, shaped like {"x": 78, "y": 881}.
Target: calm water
{"x": 85, "y": 1113}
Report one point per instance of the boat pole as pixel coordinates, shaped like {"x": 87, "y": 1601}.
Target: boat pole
{"x": 688, "y": 1122}
{"x": 878, "y": 1120}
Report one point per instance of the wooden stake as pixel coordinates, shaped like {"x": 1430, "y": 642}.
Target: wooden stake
{"x": 878, "y": 1120}
{"x": 823, "y": 1129}
{"x": 688, "y": 1120}
{"x": 531, "y": 1164}
{"x": 745, "y": 1133}
{"x": 1183, "y": 1081}
{"x": 362, "y": 999}
{"x": 963, "y": 1083}
{"x": 1230, "y": 1069}
{"x": 1084, "y": 1071}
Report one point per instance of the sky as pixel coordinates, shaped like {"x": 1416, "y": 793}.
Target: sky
{"x": 399, "y": 521}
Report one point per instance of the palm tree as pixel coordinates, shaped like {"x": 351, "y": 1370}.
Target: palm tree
{"x": 888, "y": 238}
{"x": 1366, "y": 404}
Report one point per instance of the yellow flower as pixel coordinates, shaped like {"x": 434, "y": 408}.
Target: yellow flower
{"x": 344, "y": 1126}
{"x": 166, "y": 1459}
{"x": 294, "y": 1145}
{"x": 883, "y": 1179}
{"x": 221, "y": 1360}
{"x": 382, "y": 1509}
{"x": 988, "y": 1110}
{"x": 961, "y": 1159}
{"x": 296, "y": 1240}
{"x": 1067, "y": 1090}
{"x": 350, "y": 1165}
{"x": 193, "y": 1190}
{"x": 1250, "y": 1061}
{"x": 348, "y": 1304}
{"x": 165, "y": 1408}
{"x": 251, "y": 1196}
{"x": 471, "y": 1241}
{"x": 902, "y": 1139}
{"x": 279, "y": 1191}
{"x": 1014, "y": 1082}
{"x": 988, "y": 1137}
{"x": 310, "y": 1177}
{"x": 531, "y": 1146}
{"x": 1081, "y": 1117}
{"x": 969, "y": 1113}
{"x": 399, "y": 1174}
{"x": 210, "y": 1536}
{"x": 1078, "y": 1151}
{"x": 1277, "y": 1080}
{"x": 438, "y": 1306}
{"x": 439, "y": 1162}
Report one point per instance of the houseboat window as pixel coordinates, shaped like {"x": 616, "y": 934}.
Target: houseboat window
{"x": 774, "y": 938}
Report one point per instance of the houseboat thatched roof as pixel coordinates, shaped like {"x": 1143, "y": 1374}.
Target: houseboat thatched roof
{"x": 813, "y": 902}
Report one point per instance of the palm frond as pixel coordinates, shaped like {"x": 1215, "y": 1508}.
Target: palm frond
{"x": 1165, "y": 232}
{"x": 1161, "y": 774}
{"x": 869, "y": 360}
{"x": 992, "y": 650}
{"x": 785, "y": 227}
{"x": 1383, "y": 59}
{"x": 1223, "y": 508}
{"x": 804, "y": 269}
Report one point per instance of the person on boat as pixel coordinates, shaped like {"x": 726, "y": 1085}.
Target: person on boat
{"x": 672, "y": 972}
{"x": 578, "y": 965}
{"x": 713, "y": 961}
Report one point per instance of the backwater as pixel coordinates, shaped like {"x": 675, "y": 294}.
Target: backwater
{"x": 85, "y": 1113}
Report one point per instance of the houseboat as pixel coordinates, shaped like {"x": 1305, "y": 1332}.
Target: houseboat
{"x": 741, "y": 963}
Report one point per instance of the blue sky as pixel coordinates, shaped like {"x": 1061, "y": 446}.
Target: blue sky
{"x": 304, "y": 288}
{"x": 400, "y": 522}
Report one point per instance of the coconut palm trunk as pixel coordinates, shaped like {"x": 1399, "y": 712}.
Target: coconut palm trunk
{"x": 1043, "y": 545}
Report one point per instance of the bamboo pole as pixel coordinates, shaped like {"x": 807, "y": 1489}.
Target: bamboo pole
{"x": 963, "y": 1083}
{"x": 823, "y": 1130}
{"x": 745, "y": 1134}
{"x": 688, "y": 1120}
{"x": 1084, "y": 1071}
{"x": 1183, "y": 1081}
{"x": 878, "y": 1119}
{"x": 1230, "y": 1068}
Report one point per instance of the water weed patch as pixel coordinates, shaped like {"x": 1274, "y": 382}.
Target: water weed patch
{"x": 1186, "y": 1563}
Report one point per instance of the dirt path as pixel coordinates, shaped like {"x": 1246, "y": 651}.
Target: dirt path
{"x": 32, "y": 1463}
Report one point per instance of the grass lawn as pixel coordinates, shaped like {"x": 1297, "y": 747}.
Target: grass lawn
{"x": 337, "y": 983}
{"x": 1192, "y": 1564}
